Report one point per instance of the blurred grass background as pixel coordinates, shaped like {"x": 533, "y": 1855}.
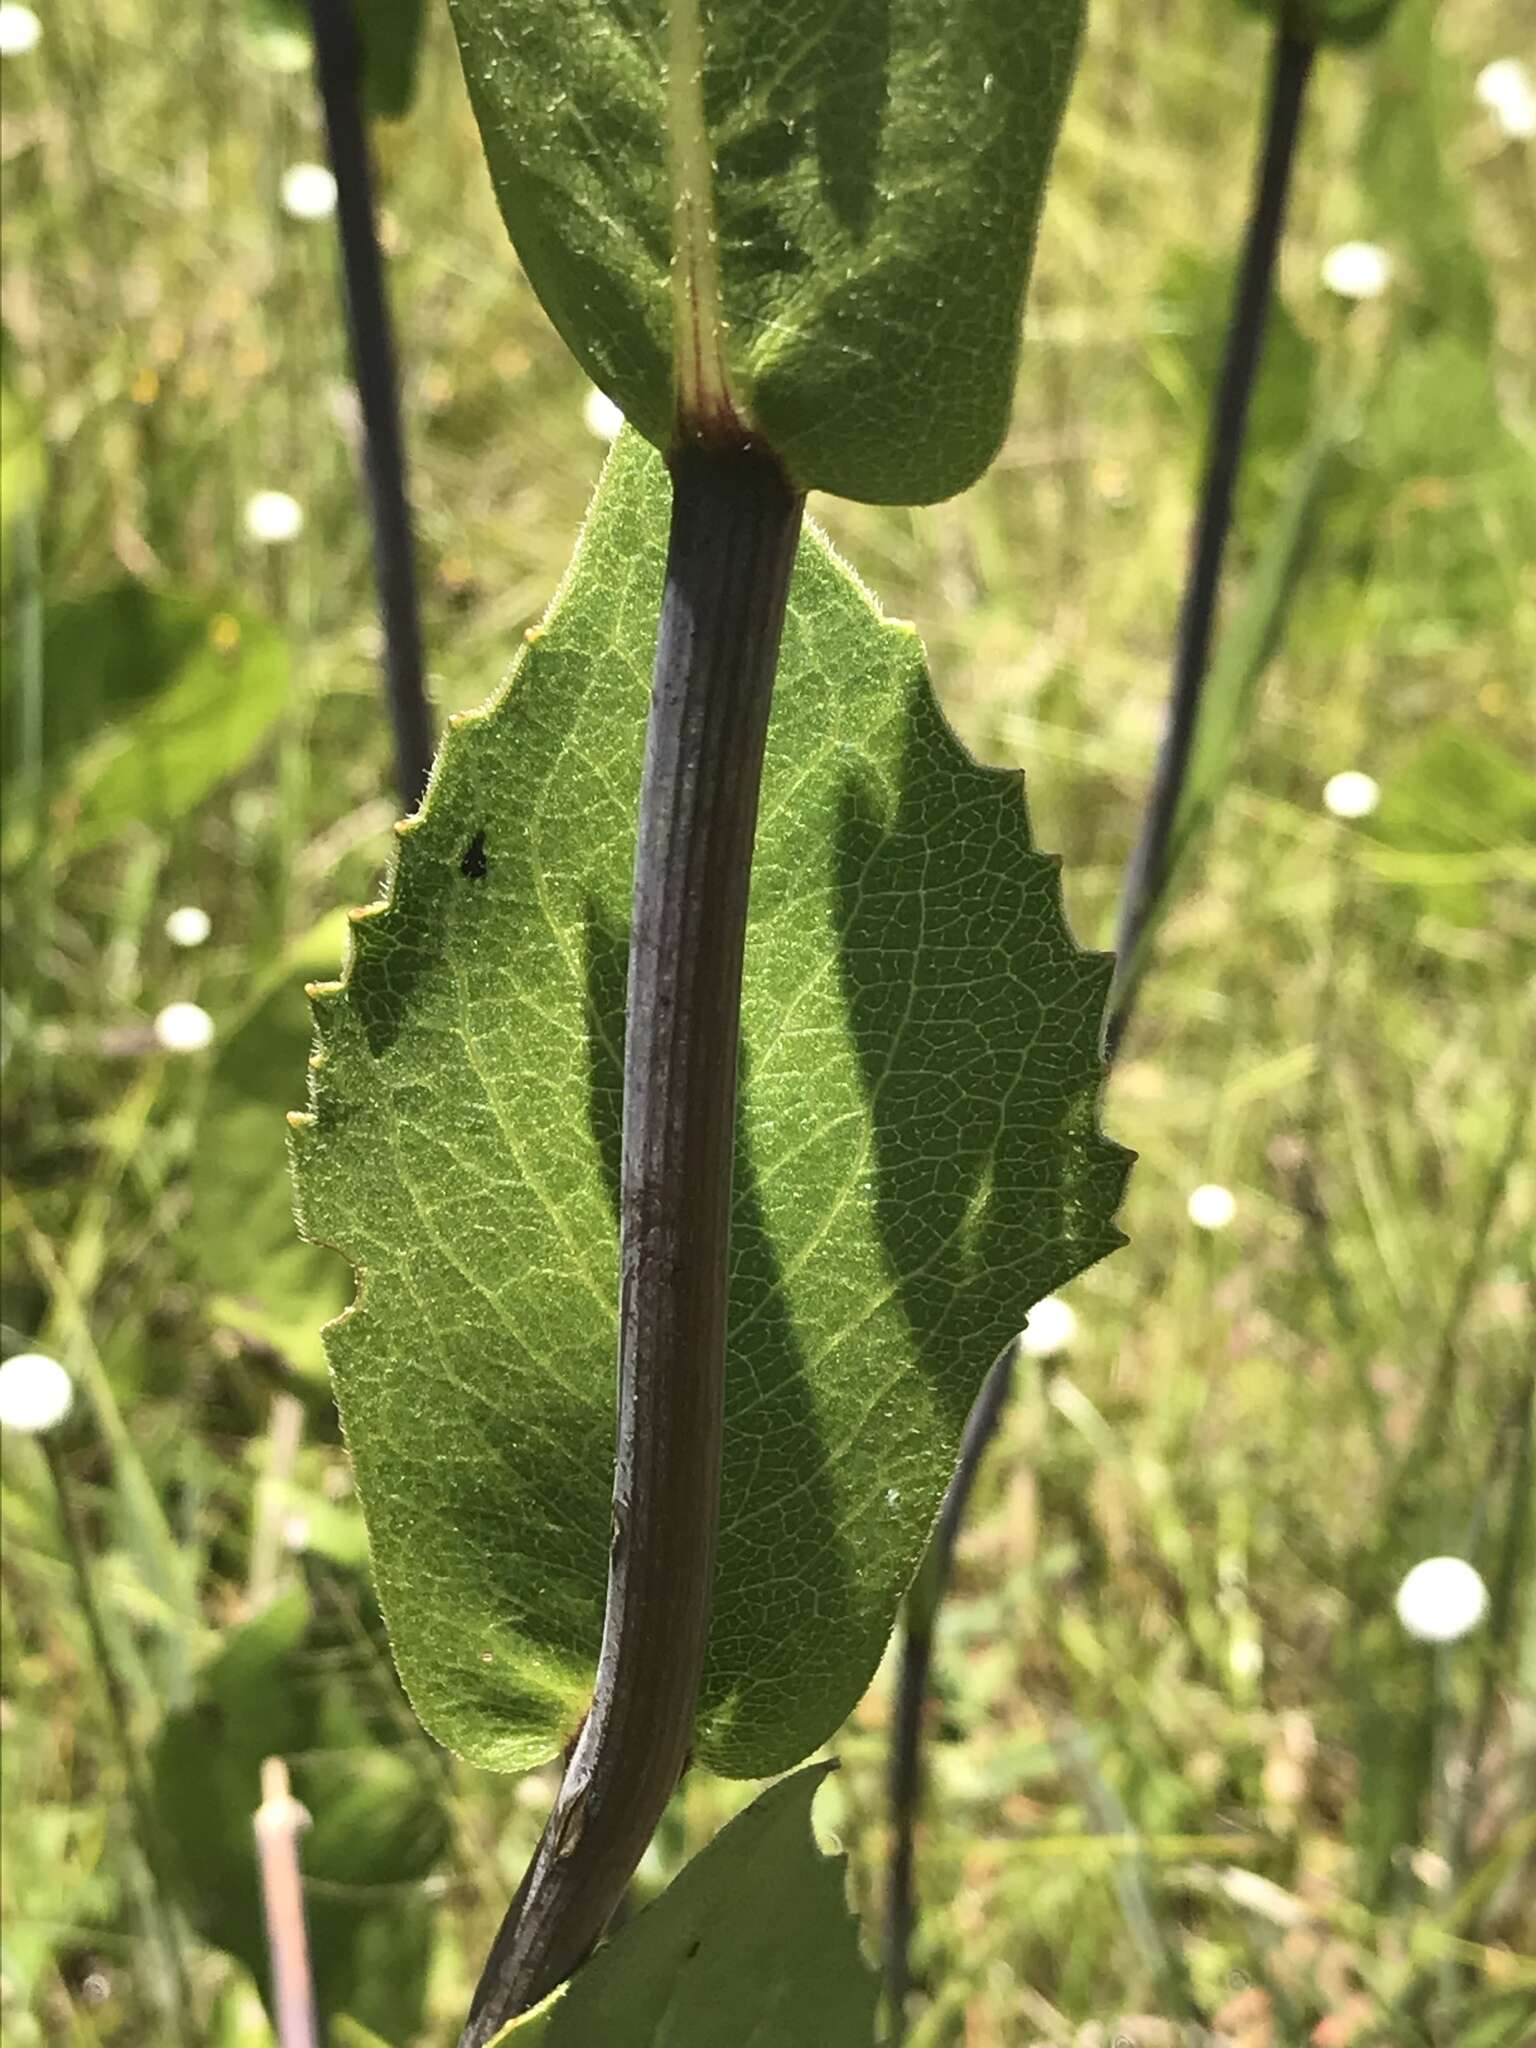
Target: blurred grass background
{"x": 1187, "y": 1771}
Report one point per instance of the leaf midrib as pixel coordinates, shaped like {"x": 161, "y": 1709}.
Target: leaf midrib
{"x": 703, "y": 378}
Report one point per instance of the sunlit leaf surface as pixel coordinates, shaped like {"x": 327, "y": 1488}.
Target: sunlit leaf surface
{"x": 816, "y": 215}
{"x": 917, "y": 1160}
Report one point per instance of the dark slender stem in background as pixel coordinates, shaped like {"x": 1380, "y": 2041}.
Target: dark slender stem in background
{"x": 735, "y": 525}
{"x": 338, "y": 73}
{"x": 1146, "y": 872}
{"x": 916, "y": 1661}
{"x": 1144, "y": 881}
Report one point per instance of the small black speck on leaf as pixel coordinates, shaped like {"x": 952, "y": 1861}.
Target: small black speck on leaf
{"x": 472, "y": 862}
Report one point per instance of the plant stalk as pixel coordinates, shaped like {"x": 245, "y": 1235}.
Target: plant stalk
{"x": 1147, "y": 871}
{"x": 277, "y": 1825}
{"x": 338, "y": 75}
{"x": 922, "y": 1606}
{"x": 1146, "y": 877}
{"x": 735, "y": 526}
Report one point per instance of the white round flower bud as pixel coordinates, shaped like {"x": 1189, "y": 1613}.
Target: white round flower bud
{"x": 1504, "y": 87}
{"x": 1211, "y": 1207}
{"x": 20, "y": 30}
{"x": 1357, "y": 270}
{"x": 184, "y": 1027}
{"x": 1351, "y": 794}
{"x": 1441, "y": 1598}
{"x": 1051, "y": 1327}
{"x": 188, "y": 926}
{"x": 273, "y": 517}
{"x": 309, "y": 192}
{"x": 35, "y": 1392}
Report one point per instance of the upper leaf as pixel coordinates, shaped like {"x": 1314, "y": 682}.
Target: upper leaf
{"x": 751, "y": 1943}
{"x": 917, "y": 1161}
{"x": 810, "y": 217}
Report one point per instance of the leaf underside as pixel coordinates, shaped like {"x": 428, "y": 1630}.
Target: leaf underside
{"x": 844, "y": 192}
{"x": 917, "y": 1160}
{"x": 751, "y": 1943}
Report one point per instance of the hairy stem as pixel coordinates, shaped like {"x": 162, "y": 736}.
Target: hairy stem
{"x": 1146, "y": 873}
{"x": 338, "y": 72}
{"x": 1146, "y": 877}
{"x": 735, "y": 525}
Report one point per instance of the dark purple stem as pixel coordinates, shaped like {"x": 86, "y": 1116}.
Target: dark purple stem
{"x": 735, "y": 527}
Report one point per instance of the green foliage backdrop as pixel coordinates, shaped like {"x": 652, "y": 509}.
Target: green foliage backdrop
{"x": 1154, "y": 1731}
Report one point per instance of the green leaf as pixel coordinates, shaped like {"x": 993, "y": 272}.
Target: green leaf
{"x": 294, "y": 1683}
{"x": 917, "y": 1160}
{"x": 752, "y": 1943}
{"x": 1456, "y": 817}
{"x": 151, "y": 700}
{"x": 1408, "y": 143}
{"x": 263, "y": 1280}
{"x": 814, "y": 215}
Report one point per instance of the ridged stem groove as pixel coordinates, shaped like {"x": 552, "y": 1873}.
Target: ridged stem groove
{"x": 735, "y": 526}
